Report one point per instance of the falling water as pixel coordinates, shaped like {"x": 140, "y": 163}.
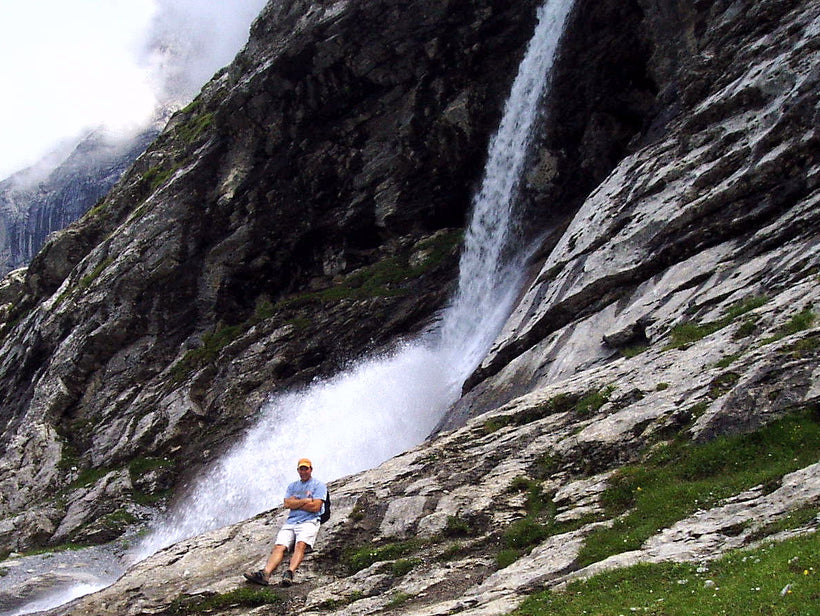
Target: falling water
{"x": 389, "y": 403}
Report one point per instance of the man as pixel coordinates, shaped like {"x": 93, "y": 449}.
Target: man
{"x": 305, "y": 499}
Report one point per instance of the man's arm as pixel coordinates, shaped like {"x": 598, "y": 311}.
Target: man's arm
{"x": 312, "y": 505}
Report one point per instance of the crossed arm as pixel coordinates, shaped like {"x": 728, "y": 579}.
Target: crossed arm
{"x": 313, "y": 505}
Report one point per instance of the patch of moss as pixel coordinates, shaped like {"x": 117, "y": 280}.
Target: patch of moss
{"x": 633, "y": 350}
{"x": 746, "y": 305}
{"x": 156, "y": 177}
{"x": 684, "y": 334}
{"x": 89, "y": 476}
{"x": 494, "y": 424}
{"x": 727, "y": 361}
{"x": 385, "y": 278}
{"x": 139, "y": 466}
{"x": 88, "y": 279}
{"x": 212, "y": 345}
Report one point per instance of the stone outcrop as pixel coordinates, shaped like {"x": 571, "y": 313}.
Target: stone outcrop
{"x": 675, "y": 300}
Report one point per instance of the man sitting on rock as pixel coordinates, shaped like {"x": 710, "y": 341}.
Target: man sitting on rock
{"x": 305, "y": 499}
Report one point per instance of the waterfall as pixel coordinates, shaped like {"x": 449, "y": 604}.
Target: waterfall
{"x": 389, "y": 403}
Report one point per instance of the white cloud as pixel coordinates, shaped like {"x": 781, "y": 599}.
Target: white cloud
{"x": 70, "y": 65}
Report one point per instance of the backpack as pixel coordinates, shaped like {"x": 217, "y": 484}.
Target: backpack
{"x": 326, "y": 513}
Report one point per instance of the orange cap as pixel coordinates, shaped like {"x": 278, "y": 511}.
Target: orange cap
{"x": 304, "y": 462}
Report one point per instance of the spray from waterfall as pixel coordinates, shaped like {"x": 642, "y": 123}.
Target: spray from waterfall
{"x": 389, "y": 403}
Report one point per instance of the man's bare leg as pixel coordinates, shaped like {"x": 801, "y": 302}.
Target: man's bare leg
{"x": 298, "y": 555}
{"x": 275, "y": 558}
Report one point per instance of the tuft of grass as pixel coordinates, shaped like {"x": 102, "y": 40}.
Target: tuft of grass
{"x": 403, "y": 566}
{"x": 357, "y": 559}
{"x": 803, "y": 320}
{"x": 633, "y": 350}
{"x": 193, "y": 129}
{"x": 400, "y": 598}
{"x": 722, "y": 384}
{"x": 746, "y": 329}
{"x": 494, "y": 424}
{"x": 746, "y": 305}
{"x": 525, "y": 533}
{"x": 777, "y": 579}
{"x": 238, "y": 598}
{"x": 728, "y": 360}
{"x": 156, "y": 177}
{"x": 457, "y": 527}
{"x": 679, "y": 478}
{"x": 684, "y": 334}
{"x": 212, "y": 345}
{"x": 591, "y": 402}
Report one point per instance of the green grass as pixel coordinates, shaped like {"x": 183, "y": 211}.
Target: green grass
{"x": 212, "y": 345}
{"x": 385, "y": 278}
{"x": 591, "y": 402}
{"x": 361, "y": 558}
{"x": 803, "y": 320}
{"x": 240, "y": 598}
{"x": 779, "y": 579}
{"x": 403, "y": 566}
{"x": 679, "y": 478}
{"x": 684, "y": 334}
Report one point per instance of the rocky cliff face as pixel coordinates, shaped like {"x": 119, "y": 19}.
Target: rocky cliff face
{"x": 675, "y": 302}
{"x": 32, "y": 207}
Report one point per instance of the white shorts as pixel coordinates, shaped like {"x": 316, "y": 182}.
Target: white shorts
{"x": 290, "y": 534}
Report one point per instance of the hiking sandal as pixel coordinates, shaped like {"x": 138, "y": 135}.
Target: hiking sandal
{"x": 257, "y": 577}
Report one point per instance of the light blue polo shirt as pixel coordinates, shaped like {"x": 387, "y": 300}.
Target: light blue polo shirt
{"x": 312, "y": 488}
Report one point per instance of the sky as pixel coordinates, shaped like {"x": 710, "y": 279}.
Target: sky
{"x": 69, "y": 66}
